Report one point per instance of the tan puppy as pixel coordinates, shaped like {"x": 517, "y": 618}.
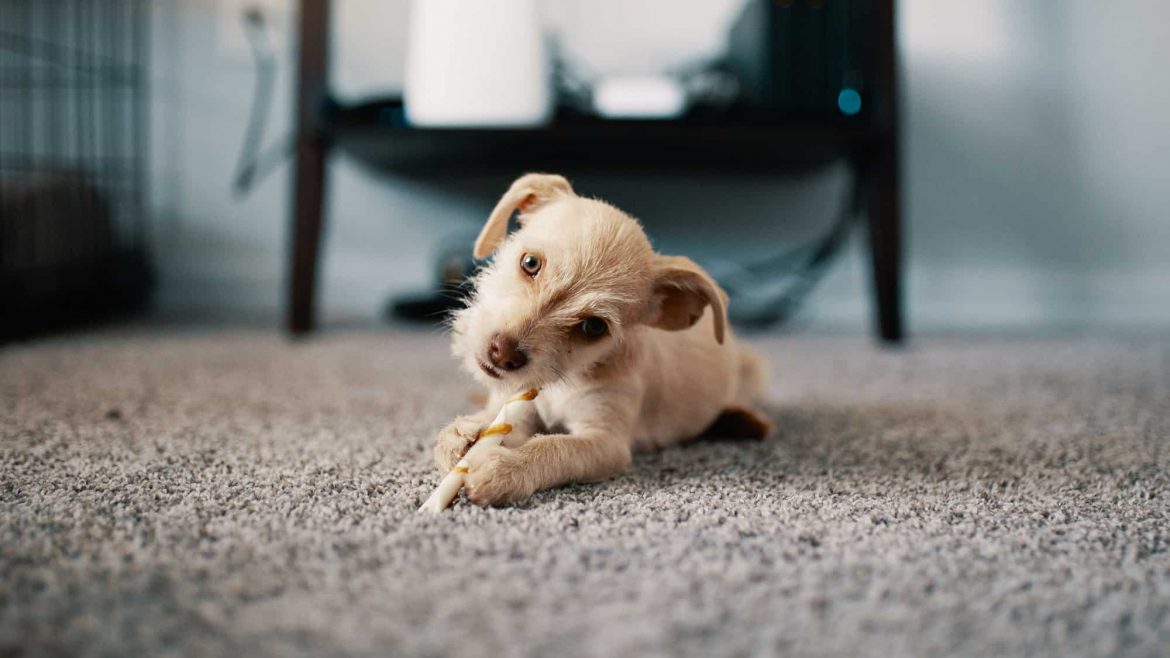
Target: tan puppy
{"x": 629, "y": 347}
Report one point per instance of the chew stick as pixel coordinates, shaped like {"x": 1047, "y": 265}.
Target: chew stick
{"x": 490, "y": 436}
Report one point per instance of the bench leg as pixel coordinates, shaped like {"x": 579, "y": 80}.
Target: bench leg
{"x": 312, "y": 152}
{"x": 885, "y": 241}
{"x": 308, "y": 217}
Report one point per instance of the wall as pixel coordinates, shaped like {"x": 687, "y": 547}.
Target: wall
{"x": 1035, "y": 173}
{"x": 1035, "y": 181}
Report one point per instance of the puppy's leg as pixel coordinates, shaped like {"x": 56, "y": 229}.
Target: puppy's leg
{"x": 501, "y": 475}
{"x": 455, "y": 439}
{"x": 600, "y": 424}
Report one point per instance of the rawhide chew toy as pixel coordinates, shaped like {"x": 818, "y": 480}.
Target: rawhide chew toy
{"x": 490, "y": 436}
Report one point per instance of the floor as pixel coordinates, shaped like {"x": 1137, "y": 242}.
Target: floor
{"x": 226, "y": 492}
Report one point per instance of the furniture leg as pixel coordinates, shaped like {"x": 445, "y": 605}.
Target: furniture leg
{"x": 308, "y": 216}
{"x": 885, "y": 241}
{"x": 884, "y": 199}
{"x": 312, "y": 149}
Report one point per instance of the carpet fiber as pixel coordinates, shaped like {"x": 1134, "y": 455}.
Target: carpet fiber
{"x": 231, "y": 493}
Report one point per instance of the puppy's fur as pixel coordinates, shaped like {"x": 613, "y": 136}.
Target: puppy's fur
{"x": 666, "y": 367}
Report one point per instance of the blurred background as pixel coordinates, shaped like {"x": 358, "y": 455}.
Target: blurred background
{"x": 184, "y": 184}
{"x": 1032, "y": 143}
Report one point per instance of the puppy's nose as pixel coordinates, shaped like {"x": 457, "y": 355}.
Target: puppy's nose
{"x": 505, "y": 353}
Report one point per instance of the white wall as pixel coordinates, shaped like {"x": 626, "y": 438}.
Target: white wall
{"x": 1036, "y": 167}
{"x": 1035, "y": 180}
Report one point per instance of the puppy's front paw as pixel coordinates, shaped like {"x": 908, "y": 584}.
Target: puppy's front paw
{"x": 454, "y": 440}
{"x": 496, "y": 476}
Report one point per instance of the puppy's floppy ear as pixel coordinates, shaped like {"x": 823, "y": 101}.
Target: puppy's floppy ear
{"x": 681, "y": 291}
{"x": 529, "y": 192}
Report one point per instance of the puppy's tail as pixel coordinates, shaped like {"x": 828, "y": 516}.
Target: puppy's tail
{"x": 753, "y": 375}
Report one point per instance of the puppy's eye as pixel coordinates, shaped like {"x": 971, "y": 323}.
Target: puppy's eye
{"x": 593, "y": 328}
{"x": 530, "y": 264}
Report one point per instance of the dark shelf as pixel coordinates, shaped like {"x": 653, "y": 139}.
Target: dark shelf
{"x": 378, "y": 134}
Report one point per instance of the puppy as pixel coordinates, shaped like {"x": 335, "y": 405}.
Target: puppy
{"x": 630, "y": 348}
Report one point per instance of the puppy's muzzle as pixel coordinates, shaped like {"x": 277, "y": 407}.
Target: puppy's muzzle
{"x": 504, "y": 352}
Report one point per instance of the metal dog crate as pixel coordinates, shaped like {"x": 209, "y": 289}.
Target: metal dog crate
{"x": 73, "y": 155}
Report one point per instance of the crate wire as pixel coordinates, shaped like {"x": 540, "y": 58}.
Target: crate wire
{"x": 73, "y": 157}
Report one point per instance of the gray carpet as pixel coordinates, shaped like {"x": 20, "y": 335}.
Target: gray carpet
{"x": 203, "y": 493}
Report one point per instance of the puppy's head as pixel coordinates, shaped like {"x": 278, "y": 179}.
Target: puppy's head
{"x": 566, "y": 291}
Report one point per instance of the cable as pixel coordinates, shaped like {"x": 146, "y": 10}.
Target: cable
{"x": 253, "y": 165}
{"x": 813, "y": 261}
